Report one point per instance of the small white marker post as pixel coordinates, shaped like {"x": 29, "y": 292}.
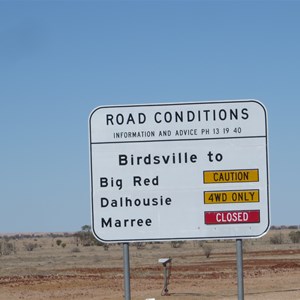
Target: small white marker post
{"x": 166, "y": 262}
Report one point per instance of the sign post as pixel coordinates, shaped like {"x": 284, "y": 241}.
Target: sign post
{"x": 126, "y": 261}
{"x": 239, "y": 267}
{"x": 179, "y": 171}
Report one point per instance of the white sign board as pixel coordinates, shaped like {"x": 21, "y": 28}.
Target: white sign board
{"x": 179, "y": 171}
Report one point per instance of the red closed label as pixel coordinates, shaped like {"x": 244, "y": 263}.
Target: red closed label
{"x": 232, "y": 217}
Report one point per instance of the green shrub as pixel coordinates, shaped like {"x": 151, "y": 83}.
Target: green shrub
{"x": 207, "y": 249}
{"x": 30, "y": 246}
{"x": 295, "y": 236}
{"x": 177, "y": 244}
{"x": 276, "y": 239}
{"x": 6, "y": 248}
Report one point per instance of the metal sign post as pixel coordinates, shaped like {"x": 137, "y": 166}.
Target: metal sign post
{"x": 239, "y": 264}
{"x": 126, "y": 263}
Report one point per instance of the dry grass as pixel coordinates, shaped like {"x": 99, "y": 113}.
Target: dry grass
{"x": 77, "y": 272}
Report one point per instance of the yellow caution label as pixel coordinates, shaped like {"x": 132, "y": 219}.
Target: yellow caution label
{"x": 229, "y": 176}
{"x": 239, "y": 196}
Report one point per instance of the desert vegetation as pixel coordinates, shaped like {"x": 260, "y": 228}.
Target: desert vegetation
{"x": 77, "y": 266}
{"x": 13, "y": 244}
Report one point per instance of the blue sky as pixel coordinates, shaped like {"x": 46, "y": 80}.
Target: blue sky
{"x": 61, "y": 59}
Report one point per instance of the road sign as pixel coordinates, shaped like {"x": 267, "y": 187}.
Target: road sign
{"x": 179, "y": 171}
